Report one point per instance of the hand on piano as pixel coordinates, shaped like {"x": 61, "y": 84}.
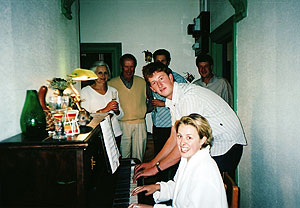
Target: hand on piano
{"x": 145, "y": 172}
{"x": 142, "y": 166}
{"x": 135, "y": 205}
{"x": 150, "y": 189}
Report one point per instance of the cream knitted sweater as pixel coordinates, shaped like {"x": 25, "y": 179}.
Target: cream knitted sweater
{"x": 133, "y": 100}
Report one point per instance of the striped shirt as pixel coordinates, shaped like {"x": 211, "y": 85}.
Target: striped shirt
{"x": 161, "y": 116}
{"x": 220, "y": 86}
{"x": 226, "y": 127}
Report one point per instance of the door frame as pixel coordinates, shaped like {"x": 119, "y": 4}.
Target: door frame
{"x": 220, "y": 37}
{"x": 114, "y": 48}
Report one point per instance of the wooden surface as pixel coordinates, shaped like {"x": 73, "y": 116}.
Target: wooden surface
{"x": 43, "y": 172}
{"x": 232, "y": 191}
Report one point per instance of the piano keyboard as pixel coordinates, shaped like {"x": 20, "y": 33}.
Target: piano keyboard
{"x": 124, "y": 184}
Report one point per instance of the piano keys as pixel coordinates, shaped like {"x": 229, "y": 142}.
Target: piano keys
{"x": 113, "y": 189}
{"x": 124, "y": 184}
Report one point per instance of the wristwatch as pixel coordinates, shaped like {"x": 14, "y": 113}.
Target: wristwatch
{"x": 157, "y": 166}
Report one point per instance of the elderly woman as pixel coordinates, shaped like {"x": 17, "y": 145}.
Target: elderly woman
{"x": 197, "y": 182}
{"x": 102, "y": 98}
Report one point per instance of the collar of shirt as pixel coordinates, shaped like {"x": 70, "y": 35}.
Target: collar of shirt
{"x": 176, "y": 76}
{"x": 210, "y": 81}
{"x": 126, "y": 83}
{"x": 157, "y": 96}
{"x": 176, "y": 93}
{"x": 169, "y": 103}
{"x": 186, "y": 168}
{"x": 200, "y": 153}
{"x": 172, "y": 103}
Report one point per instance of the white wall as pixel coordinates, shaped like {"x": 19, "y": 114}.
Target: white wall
{"x": 143, "y": 25}
{"x": 37, "y": 44}
{"x": 268, "y": 60}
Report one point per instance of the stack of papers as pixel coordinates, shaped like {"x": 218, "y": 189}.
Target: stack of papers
{"x": 110, "y": 143}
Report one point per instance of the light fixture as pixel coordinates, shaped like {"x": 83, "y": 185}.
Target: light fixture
{"x": 83, "y": 75}
{"x": 80, "y": 75}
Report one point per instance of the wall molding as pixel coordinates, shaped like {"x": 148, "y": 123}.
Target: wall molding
{"x": 240, "y": 7}
{"x": 66, "y": 8}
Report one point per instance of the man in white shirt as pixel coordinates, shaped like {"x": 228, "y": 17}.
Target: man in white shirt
{"x": 219, "y": 85}
{"x": 184, "y": 99}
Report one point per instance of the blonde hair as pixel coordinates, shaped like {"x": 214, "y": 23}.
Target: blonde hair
{"x": 200, "y": 123}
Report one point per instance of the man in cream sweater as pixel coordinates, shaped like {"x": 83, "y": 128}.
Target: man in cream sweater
{"x": 132, "y": 95}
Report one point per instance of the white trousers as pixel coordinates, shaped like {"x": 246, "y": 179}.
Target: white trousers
{"x": 134, "y": 140}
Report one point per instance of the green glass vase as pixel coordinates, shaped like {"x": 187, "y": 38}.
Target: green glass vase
{"x": 33, "y": 119}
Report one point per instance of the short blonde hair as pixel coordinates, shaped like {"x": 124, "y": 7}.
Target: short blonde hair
{"x": 200, "y": 123}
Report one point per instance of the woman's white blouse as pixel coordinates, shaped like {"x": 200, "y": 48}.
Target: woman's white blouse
{"x": 93, "y": 101}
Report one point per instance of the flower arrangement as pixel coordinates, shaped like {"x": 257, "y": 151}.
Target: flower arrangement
{"x": 60, "y": 84}
{"x": 189, "y": 77}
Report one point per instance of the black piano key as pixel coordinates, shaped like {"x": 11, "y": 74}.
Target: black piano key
{"x": 122, "y": 189}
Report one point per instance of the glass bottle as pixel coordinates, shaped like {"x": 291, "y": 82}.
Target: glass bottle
{"x": 33, "y": 119}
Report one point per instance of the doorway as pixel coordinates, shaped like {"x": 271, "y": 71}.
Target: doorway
{"x": 223, "y": 50}
{"x": 110, "y": 53}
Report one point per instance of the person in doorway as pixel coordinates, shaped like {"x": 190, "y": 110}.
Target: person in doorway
{"x": 184, "y": 99}
{"x": 132, "y": 94}
{"x": 198, "y": 182}
{"x": 102, "y": 98}
{"x": 219, "y": 85}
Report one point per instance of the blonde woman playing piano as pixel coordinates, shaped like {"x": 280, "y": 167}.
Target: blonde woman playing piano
{"x": 197, "y": 182}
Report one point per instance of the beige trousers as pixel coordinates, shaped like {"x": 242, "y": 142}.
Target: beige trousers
{"x": 134, "y": 140}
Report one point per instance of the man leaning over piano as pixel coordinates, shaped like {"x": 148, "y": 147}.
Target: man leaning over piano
{"x": 184, "y": 99}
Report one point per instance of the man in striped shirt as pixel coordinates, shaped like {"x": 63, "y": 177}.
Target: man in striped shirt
{"x": 184, "y": 99}
{"x": 161, "y": 116}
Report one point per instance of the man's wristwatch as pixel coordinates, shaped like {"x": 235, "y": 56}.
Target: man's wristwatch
{"x": 157, "y": 166}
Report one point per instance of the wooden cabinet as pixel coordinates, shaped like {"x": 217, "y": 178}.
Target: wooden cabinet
{"x": 49, "y": 173}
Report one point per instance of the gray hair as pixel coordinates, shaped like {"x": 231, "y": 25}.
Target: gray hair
{"x": 101, "y": 63}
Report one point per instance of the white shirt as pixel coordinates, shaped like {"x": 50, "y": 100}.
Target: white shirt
{"x": 220, "y": 86}
{"x": 197, "y": 184}
{"x": 93, "y": 101}
{"x": 226, "y": 127}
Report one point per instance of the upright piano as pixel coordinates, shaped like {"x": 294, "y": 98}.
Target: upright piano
{"x": 75, "y": 172}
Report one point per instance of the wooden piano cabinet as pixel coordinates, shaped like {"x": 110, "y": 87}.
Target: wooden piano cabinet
{"x": 48, "y": 173}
